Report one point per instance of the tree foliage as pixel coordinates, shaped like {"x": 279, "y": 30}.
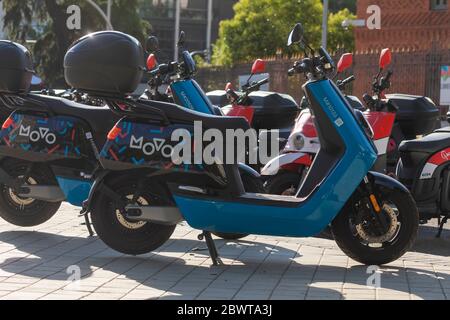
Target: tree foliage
{"x": 338, "y": 5}
{"x": 260, "y": 28}
{"x": 53, "y": 38}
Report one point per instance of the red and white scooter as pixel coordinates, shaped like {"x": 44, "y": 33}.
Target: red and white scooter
{"x": 285, "y": 173}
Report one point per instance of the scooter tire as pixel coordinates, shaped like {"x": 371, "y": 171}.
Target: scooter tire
{"x": 127, "y": 237}
{"x": 391, "y": 251}
{"x": 284, "y": 180}
{"x": 23, "y": 212}
{"x": 251, "y": 185}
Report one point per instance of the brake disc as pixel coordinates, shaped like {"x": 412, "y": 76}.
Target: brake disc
{"x": 365, "y": 233}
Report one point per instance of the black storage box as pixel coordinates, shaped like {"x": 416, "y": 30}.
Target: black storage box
{"x": 107, "y": 63}
{"x": 416, "y": 115}
{"x": 272, "y": 110}
{"x": 218, "y": 98}
{"x": 16, "y": 68}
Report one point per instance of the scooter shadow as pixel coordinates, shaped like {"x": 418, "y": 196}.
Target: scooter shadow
{"x": 427, "y": 242}
{"x": 253, "y": 263}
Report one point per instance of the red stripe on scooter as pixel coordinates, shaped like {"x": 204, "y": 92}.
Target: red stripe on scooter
{"x": 440, "y": 157}
{"x": 302, "y": 161}
{"x": 53, "y": 150}
{"x": 113, "y": 155}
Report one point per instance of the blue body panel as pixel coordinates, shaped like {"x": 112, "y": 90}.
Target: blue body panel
{"x": 76, "y": 191}
{"x": 188, "y": 94}
{"x": 309, "y": 216}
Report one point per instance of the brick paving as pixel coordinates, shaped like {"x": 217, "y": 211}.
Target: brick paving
{"x": 37, "y": 263}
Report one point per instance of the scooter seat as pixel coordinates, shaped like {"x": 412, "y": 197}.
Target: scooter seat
{"x": 430, "y": 144}
{"x": 179, "y": 114}
{"x": 100, "y": 119}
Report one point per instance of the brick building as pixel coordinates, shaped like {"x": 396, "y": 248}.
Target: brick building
{"x": 411, "y": 24}
{"x": 418, "y": 33}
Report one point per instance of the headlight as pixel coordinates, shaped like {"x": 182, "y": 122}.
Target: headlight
{"x": 298, "y": 142}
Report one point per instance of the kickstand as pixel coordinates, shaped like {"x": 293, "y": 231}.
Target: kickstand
{"x": 441, "y": 226}
{"x": 211, "y": 247}
{"x": 88, "y": 223}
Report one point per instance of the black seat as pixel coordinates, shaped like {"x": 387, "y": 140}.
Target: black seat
{"x": 182, "y": 115}
{"x": 100, "y": 119}
{"x": 430, "y": 144}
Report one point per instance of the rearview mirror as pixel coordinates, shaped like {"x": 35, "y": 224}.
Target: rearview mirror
{"x": 151, "y": 62}
{"x": 152, "y": 44}
{"x": 385, "y": 58}
{"x": 345, "y": 62}
{"x": 296, "y": 35}
{"x": 259, "y": 66}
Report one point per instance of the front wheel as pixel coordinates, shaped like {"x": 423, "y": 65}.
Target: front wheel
{"x": 363, "y": 239}
{"x": 118, "y": 232}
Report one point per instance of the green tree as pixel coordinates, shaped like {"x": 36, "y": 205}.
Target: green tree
{"x": 338, "y": 37}
{"x": 53, "y": 38}
{"x": 338, "y": 5}
{"x": 260, "y": 28}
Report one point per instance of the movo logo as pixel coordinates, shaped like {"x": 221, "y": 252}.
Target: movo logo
{"x": 37, "y": 135}
{"x": 151, "y": 147}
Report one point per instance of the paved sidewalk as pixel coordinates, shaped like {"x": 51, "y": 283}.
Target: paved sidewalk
{"x": 38, "y": 263}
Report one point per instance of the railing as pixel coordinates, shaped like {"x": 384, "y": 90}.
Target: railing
{"x": 415, "y": 72}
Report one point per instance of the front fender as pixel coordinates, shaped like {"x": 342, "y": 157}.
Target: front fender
{"x": 274, "y": 166}
{"x": 386, "y": 183}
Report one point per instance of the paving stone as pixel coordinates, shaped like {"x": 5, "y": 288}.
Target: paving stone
{"x": 33, "y": 265}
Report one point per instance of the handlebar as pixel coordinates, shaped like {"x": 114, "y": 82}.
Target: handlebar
{"x": 343, "y": 83}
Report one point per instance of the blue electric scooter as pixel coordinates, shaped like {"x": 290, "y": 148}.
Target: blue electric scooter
{"x": 142, "y": 194}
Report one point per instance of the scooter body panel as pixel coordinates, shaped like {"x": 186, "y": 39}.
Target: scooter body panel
{"x": 293, "y": 216}
{"x": 40, "y": 139}
{"x": 286, "y": 160}
{"x": 240, "y": 111}
{"x": 75, "y": 190}
{"x": 132, "y": 145}
{"x": 188, "y": 93}
{"x": 382, "y": 124}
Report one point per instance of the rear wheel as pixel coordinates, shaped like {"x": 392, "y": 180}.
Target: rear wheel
{"x": 26, "y": 212}
{"x": 251, "y": 185}
{"x": 122, "y": 234}
{"x": 363, "y": 239}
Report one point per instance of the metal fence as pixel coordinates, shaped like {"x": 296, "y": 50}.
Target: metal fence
{"x": 415, "y": 72}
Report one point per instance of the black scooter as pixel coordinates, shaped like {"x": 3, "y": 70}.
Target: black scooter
{"x": 48, "y": 145}
{"x": 424, "y": 168}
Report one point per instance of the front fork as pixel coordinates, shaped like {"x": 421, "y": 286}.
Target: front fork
{"x": 374, "y": 205}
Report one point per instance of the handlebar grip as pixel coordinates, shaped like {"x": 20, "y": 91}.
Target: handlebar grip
{"x": 291, "y": 72}
{"x": 350, "y": 79}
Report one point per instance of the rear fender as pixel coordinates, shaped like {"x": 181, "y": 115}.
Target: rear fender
{"x": 98, "y": 186}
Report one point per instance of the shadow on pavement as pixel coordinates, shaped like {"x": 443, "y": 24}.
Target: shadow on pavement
{"x": 56, "y": 259}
